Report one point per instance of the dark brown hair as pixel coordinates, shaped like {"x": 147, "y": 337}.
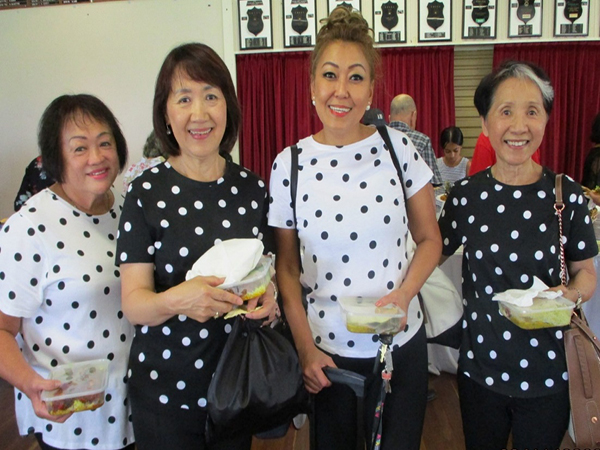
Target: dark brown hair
{"x": 346, "y": 26}
{"x": 202, "y": 64}
{"x": 76, "y": 108}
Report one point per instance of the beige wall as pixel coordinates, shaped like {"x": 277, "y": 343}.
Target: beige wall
{"x": 112, "y": 50}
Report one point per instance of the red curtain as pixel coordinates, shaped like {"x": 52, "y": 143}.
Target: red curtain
{"x": 574, "y": 69}
{"x": 274, "y": 92}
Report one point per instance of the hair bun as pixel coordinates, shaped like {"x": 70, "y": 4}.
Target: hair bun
{"x": 343, "y": 16}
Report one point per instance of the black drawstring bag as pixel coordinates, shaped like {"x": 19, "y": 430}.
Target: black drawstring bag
{"x": 257, "y": 385}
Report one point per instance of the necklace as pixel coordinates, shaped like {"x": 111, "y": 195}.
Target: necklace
{"x": 98, "y": 211}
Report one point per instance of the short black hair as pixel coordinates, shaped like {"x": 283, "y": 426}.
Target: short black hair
{"x": 57, "y": 114}
{"x": 451, "y": 135}
{"x": 484, "y": 94}
{"x": 200, "y": 63}
{"x": 595, "y": 136}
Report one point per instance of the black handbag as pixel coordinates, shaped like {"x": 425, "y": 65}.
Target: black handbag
{"x": 257, "y": 385}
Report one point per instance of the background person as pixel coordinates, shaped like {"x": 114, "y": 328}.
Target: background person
{"x": 453, "y": 166}
{"x": 59, "y": 287}
{"x": 403, "y": 117}
{"x": 354, "y": 242}
{"x": 173, "y": 214}
{"x": 591, "y": 167}
{"x": 34, "y": 180}
{"x": 152, "y": 155}
{"x": 511, "y": 379}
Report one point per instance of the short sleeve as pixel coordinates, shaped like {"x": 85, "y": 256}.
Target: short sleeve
{"x": 22, "y": 267}
{"x": 134, "y": 242}
{"x": 449, "y": 229}
{"x": 415, "y": 171}
{"x": 581, "y": 240}
{"x": 281, "y": 214}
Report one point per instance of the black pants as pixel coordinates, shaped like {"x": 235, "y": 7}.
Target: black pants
{"x": 488, "y": 418}
{"x": 180, "y": 429}
{"x": 404, "y": 411}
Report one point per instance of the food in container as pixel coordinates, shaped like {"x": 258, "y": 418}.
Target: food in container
{"x": 255, "y": 283}
{"x": 544, "y": 313}
{"x": 362, "y": 316}
{"x": 82, "y": 388}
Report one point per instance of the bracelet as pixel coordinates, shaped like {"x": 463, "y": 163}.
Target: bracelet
{"x": 579, "y": 297}
{"x": 275, "y": 291}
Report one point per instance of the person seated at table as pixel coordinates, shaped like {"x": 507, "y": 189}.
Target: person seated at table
{"x": 509, "y": 378}
{"x": 151, "y": 156}
{"x": 60, "y": 290}
{"x": 453, "y": 166}
{"x": 34, "y": 180}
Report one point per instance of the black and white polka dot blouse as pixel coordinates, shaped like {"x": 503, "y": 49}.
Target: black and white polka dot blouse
{"x": 352, "y": 227}
{"x": 170, "y": 220}
{"x": 510, "y": 234}
{"x": 57, "y": 272}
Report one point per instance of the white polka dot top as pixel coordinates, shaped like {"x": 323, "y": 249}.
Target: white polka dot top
{"x": 57, "y": 272}
{"x": 352, "y": 227}
{"x": 170, "y": 220}
{"x": 510, "y": 234}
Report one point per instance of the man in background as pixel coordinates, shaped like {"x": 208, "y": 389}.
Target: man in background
{"x": 403, "y": 117}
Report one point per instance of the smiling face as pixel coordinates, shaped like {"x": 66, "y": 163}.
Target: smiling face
{"x": 90, "y": 158}
{"x": 197, "y": 114}
{"x": 452, "y": 154}
{"x": 516, "y": 121}
{"x": 342, "y": 88}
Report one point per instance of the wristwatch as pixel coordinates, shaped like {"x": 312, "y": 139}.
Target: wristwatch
{"x": 579, "y": 298}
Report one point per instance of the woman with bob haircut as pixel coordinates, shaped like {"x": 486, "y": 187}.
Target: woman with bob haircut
{"x": 59, "y": 286}
{"x": 352, "y": 226}
{"x": 453, "y": 166}
{"x": 173, "y": 213}
{"x": 512, "y": 379}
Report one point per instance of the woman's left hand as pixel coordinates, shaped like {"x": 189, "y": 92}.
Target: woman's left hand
{"x": 269, "y": 310}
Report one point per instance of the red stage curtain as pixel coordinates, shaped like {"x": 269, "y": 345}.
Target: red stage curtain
{"x": 274, "y": 92}
{"x": 574, "y": 69}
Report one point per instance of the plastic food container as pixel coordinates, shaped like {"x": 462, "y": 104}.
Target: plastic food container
{"x": 362, "y": 316}
{"x": 255, "y": 283}
{"x": 544, "y": 313}
{"x": 82, "y": 389}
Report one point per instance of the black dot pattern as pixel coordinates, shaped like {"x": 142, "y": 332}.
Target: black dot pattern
{"x": 42, "y": 282}
{"x": 510, "y": 234}
{"x": 170, "y": 221}
{"x": 350, "y": 219}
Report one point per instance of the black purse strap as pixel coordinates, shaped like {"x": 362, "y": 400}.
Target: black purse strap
{"x": 294, "y": 180}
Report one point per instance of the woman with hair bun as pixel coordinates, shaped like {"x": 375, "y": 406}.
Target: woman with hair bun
{"x": 353, "y": 242}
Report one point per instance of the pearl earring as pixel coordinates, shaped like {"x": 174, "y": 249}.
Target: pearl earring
{"x": 368, "y": 106}
{"x": 314, "y": 102}
{"x": 169, "y": 129}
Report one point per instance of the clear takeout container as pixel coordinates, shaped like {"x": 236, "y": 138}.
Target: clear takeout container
{"x": 362, "y": 316}
{"x": 82, "y": 388}
{"x": 255, "y": 283}
{"x": 544, "y": 313}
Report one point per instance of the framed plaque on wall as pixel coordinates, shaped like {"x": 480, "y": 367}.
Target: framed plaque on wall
{"x": 571, "y": 17}
{"x": 352, "y": 4}
{"x": 435, "y": 20}
{"x": 525, "y": 18}
{"x": 299, "y": 23}
{"x": 389, "y": 21}
{"x": 256, "y": 29}
{"x": 479, "y": 19}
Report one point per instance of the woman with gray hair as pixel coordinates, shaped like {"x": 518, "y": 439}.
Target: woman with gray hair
{"x": 509, "y": 378}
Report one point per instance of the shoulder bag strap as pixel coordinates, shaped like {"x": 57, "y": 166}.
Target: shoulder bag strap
{"x": 558, "y": 207}
{"x": 382, "y": 128}
{"x": 294, "y": 180}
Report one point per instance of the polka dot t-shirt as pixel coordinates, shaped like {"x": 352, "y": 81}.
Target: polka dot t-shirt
{"x": 510, "y": 234}
{"x": 57, "y": 272}
{"x": 170, "y": 220}
{"x": 352, "y": 227}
